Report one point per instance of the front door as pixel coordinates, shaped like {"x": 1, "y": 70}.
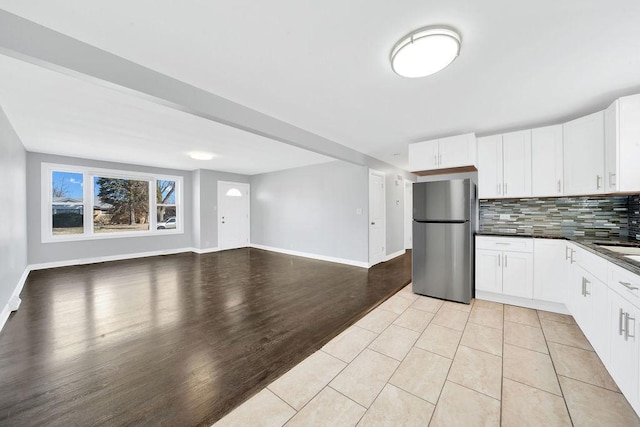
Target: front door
{"x": 233, "y": 215}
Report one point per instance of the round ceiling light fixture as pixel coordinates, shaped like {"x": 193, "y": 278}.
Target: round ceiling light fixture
{"x": 425, "y": 51}
{"x": 201, "y": 155}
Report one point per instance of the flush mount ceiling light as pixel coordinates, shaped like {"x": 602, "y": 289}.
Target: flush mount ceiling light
{"x": 201, "y": 155}
{"x": 425, "y": 51}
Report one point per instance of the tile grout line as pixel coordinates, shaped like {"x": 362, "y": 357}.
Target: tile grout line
{"x": 546, "y": 343}
{"x": 502, "y": 360}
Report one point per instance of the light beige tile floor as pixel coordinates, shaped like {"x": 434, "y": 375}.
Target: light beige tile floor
{"x": 416, "y": 360}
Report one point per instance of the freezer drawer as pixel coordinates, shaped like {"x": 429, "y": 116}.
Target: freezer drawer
{"x": 443, "y": 260}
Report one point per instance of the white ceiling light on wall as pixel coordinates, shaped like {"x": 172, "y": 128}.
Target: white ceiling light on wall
{"x": 425, "y": 51}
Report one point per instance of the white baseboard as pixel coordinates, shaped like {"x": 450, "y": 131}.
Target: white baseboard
{"x": 14, "y": 302}
{"x": 554, "y": 307}
{"x": 362, "y": 264}
{"x": 94, "y": 260}
{"x": 204, "y": 251}
{"x": 395, "y": 255}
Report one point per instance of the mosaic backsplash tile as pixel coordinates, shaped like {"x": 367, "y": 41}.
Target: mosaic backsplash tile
{"x": 634, "y": 216}
{"x": 597, "y": 217}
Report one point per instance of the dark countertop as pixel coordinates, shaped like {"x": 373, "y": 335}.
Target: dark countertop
{"x": 591, "y": 244}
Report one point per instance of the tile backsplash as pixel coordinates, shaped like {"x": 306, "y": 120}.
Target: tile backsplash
{"x": 591, "y": 216}
{"x": 634, "y": 216}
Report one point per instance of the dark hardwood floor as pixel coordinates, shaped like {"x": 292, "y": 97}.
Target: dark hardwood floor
{"x": 173, "y": 340}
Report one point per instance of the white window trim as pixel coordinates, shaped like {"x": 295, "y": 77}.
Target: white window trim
{"x": 88, "y": 173}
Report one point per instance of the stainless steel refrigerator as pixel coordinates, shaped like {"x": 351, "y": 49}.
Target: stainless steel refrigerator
{"x": 444, "y": 216}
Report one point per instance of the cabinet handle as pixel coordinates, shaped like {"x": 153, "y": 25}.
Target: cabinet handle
{"x": 559, "y": 186}
{"x": 628, "y": 285}
{"x": 586, "y": 291}
{"x": 566, "y": 253}
{"x": 505, "y": 188}
{"x": 627, "y": 335}
{"x": 572, "y": 260}
{"x": 497, "y": 188}
{"x": 598, "y": 178}
{"x": 612, "y": 181}
{"x": 435, "y": 159}
{"x": 439, "y": 159}
{"x": 505, "y": 260}
{"x": 620, "y": 327}
{"x": 499, "y": 256}
{"x": 583, "y": 287}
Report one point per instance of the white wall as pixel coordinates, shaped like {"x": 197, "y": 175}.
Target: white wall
{"x": 314, "y": 210}
{"x": 13, "y": 227}
{"x": 40, "y": 253}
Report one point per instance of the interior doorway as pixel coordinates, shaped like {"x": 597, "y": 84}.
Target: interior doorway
{"x": 377, "y": 217}
{"x": 233, "y": 215}
{"x": 408, "y": 214}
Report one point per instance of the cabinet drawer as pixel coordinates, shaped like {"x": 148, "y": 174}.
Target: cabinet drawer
{"x": 594, "y": 264}
{"x": 625, "y": 283}
{"x": 512, "y": 244}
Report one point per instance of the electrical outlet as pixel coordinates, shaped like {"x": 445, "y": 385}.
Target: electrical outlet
{"x": 505, "y": 217}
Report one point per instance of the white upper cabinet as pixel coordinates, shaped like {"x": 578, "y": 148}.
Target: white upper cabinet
{"x": 546, "y": 161}
{"x": 504, "y": 165}
{"x": 622, "y": 145}
{"x": 490, "y": 167}
{"x": 456, "y": 151}
{"x": 584, "y": 155}
{"x": 452, "y": 152}
{"x": 516, "y": 164}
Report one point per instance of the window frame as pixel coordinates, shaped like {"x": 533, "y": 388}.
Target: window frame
{"x": 88, "y": 175}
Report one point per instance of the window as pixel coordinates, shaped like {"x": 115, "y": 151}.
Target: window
{"x": 111, "y": 204}
{"x": 67, "y": 203}
{"x": 166, "y": 208}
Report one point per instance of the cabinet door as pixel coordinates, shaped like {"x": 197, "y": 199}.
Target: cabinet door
{"x": 516, "y": 157}
{"x": 546, "y": 161}
{"x": 611, "y": 131}
{"x": 490, "y": 167}
{"x": 489, "y": 270}
{"x": 584, "y": 155}
{"x": 423, "y": 156}
{"x": 578, "y": 300}
{"x": 629, "y": 144}
{"x": 457, "y": 151}
{"x": 517, "y": 274}
{"x": 597, "y": 292}
{"x": 623, "y": 364}
{"x": 550, "y": 270}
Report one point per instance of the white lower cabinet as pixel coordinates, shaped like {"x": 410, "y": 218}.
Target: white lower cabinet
{"x": 550, "y": 270}
{"x": 624, "y": 322}
{"x": 603, "y": 297}
{"x": 505, "y": 265}
{"x": 587, "y": 303}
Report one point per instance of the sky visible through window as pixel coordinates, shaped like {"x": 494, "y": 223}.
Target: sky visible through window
{"x": 68, "y": 184}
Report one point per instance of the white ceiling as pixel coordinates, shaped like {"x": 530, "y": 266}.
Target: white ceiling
{"x": 323, "y": 65}
{"x": 57, "y": 114}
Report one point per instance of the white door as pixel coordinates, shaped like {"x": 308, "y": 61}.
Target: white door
{"x": 456, "y": 151}
{"x": 549, "y": 270}
{"x": 490, "y": 166}
{"x": 233, "y": 215}
{"x": 377, "y": 227}
{"x": 489, "y": 271}
{"x": 584, "y": 155}
{"x": 517, "y": 274}
{"x": 516, "y": 158}
{"x": 546, "y": 161}
{"x": 408, "y": 214}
